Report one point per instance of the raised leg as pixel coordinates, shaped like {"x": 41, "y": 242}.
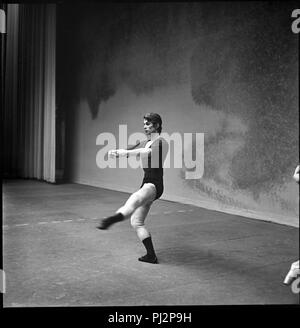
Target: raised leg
{"x": 141, "y": 197}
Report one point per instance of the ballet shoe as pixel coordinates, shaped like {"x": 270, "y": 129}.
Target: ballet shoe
{"x": 292, "y": 274}
{"x": 107, "y": 222}
{"x": 149, "y": 259}
{"x": 104, "y": 224}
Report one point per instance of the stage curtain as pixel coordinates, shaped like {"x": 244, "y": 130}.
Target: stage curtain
{"x": 29, "y": 102}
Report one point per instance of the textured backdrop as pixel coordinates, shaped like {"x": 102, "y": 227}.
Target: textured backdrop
{"x": 229, "y": 70}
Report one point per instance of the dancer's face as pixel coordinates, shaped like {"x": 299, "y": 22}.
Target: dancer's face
{"x": 149, "y": 127}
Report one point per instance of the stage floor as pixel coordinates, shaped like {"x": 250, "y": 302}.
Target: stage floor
{"x": 53, "y": 255}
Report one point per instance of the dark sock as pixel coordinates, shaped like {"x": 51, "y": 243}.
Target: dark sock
{"x": 150, "y": 256}
{"x": 107, "y": 222}
{"x": 149, "y": 246}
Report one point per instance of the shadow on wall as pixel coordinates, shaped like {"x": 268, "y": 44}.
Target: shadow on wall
{"x": 143, "y": 46}
{"x": 239, "y": 59}
{"x": 252, "y": 73}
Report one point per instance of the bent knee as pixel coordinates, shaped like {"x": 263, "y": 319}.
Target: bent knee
{"x": 137, "y": 223}
{"x": 136, "y": 199}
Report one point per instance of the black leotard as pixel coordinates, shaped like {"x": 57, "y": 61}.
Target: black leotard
{"x": 153, "y": 164}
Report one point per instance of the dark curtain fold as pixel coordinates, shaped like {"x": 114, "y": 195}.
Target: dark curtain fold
{"x": 29, "y": 106}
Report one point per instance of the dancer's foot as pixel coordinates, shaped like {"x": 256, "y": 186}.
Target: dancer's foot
{"x": 107, "y": 222}
{"x": 149, "y": 259}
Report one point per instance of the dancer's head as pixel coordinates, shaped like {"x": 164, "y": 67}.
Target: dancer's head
{"x": 152, "y": 123}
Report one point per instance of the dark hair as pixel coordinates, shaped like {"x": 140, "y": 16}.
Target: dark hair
{"x": 154, "y": 119}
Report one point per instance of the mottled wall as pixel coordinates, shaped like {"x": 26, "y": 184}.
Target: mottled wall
{"x": 229, "y": 70}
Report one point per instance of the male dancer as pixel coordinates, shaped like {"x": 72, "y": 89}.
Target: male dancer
{"x": 152, "y": 152}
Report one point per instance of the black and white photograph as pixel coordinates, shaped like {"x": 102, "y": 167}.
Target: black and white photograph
{"x": 150, "y": 156}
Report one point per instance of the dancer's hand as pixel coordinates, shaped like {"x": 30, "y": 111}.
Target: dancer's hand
{"x": 113, "y": 153}
{"x": 122, "y": 152}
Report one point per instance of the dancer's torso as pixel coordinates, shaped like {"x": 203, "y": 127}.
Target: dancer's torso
{"x": 153, "y": 162}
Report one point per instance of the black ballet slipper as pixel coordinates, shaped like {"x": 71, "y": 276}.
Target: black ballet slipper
{"x": 104, "y": 224}
{"x": 149, "y": 259}
{"x": 107, "y": 222}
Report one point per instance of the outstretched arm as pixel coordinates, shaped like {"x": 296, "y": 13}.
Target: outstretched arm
{"x": 125, "y": 152}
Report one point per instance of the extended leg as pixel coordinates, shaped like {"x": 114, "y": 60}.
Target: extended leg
{"x": 144, "y": 195}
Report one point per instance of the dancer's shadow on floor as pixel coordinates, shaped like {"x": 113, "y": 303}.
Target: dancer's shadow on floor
{"x": 216, "y": 262}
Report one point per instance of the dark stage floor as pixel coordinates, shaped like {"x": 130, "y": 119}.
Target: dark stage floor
{"x": 54, "y": 256}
